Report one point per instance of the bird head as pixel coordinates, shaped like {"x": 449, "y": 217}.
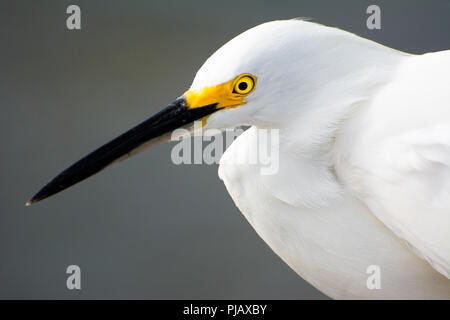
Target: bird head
{"x": 262, "y": 77}
{"x": 253, "y": 79}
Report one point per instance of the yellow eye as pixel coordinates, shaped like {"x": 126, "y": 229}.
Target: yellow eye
{"x": 244, "y": 85}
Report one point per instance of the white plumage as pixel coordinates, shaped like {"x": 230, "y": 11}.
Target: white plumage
{"x": 364, "y": 173}
{"x": 363, "y": 180}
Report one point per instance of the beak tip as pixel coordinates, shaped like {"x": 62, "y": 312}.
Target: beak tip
{"x": 32, "y": 200}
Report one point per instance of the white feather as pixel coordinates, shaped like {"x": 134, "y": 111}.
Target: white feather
{"x": 399, "y": 163}
{"x": 364, "y": 172}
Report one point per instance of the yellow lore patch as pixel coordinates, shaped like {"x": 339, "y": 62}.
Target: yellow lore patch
{"x": 227, "y": 95}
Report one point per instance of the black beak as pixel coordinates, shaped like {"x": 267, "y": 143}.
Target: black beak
{"x": 174, "y": 116}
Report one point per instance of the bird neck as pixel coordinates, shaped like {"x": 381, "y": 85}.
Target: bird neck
{"x": 339, "y": 85}
{"x": 334, "y": 91}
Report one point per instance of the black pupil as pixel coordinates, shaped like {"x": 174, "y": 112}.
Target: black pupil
{"x": 242, "y": 86}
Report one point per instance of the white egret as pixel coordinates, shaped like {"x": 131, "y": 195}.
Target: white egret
{"x": 364, "y": 154}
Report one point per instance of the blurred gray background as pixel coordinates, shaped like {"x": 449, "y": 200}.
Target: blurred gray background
{"x": 145, "y": 228}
